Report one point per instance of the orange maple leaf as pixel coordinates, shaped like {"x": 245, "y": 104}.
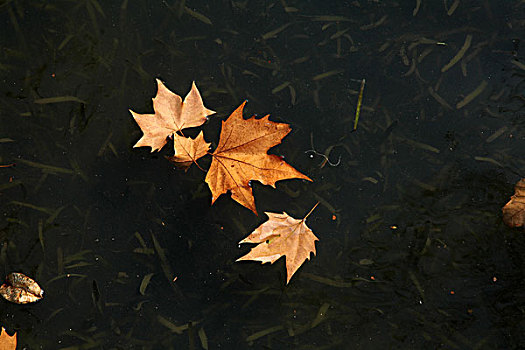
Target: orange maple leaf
{"x": 241, "y": 156}
{"x": 514, "y": 210}
{"x": 7, "y": 342}
{"x": 280, "y": 236}
{"x": 171, "y": 115}
{"x": 188, "y": 150}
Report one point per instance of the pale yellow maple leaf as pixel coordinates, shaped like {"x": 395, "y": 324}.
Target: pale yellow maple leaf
{"x": 188, "y": 150}
{"x": 171, "y": 115}
{"x": 282, "y": 235}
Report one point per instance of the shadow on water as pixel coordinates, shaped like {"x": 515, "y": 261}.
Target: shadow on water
{"x": 412, "y": 250}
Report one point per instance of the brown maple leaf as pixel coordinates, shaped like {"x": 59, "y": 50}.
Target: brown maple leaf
{"x": 514, "y": 210}
{"x": 7, "y": 342}
{"x": 171, "y": 116}
{"x": 241, "y": 156}
{"x": 188, "y": 150}
{"x": 280, "y": 236}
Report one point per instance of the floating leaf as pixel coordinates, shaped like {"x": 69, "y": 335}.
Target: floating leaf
{"x": 171, "y": 115}
{"x": 188, "y": 150}
{"x": 514, "y": 210}
{"x": 280, "y": 236}
{"x": 241, "y": 156}
{"x": 7, "y": 342}
{"x": 21, "y": 289}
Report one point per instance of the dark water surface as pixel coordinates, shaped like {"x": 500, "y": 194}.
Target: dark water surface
{"x": 413, "y": 253}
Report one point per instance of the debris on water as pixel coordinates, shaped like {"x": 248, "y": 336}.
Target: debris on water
{"x": 21, "y": 289}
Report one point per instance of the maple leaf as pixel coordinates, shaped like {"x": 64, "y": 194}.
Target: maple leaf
{"x": 171, "y": 116}
{"x": 188, "y": 150}
{"x": 282, "y": 235}
{"x": 241, "y": 156}
{"x": 7, "y": 342}
{"x": 514, "y": 210}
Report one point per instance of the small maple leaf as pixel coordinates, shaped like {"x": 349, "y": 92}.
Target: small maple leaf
{"x": 171, "y": 116}
{"x": 7, "y": 342}
{"x": 188, "y": 150}
{"x": 280, "y": 236}
{"x": 514, "y": 210}
{"x": 241, "y": 156}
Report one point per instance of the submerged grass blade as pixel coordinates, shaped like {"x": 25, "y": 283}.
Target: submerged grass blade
{"x": 59, "y": 99}
{"x": 34, "y": 207}
{"x": 48, "y": 168}
{"x": 264, "y": 333}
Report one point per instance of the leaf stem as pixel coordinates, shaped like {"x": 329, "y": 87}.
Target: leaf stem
{"x": 311, "y": 210}
{"x": 198, "y": 166}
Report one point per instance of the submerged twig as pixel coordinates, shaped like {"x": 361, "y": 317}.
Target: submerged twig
{"x": 326, "y": 160}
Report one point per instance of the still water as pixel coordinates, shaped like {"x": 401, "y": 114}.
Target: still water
{"x": 412, "y": 251}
